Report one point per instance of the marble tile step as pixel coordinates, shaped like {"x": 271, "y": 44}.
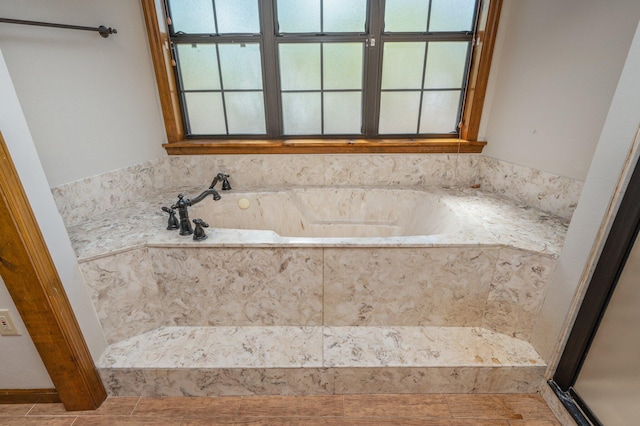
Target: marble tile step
{"x": 317, "y": 347}
{"x": 207, "y": 361}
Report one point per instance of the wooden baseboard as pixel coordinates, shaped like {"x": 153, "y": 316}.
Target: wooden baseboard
{"x": 28, "y": 396}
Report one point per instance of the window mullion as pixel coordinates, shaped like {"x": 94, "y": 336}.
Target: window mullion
{"x": 373, "y": 68}
{"x": 422, "y": 88}
{"x": 271, "y": 81}
{"x": 224, "y": 106}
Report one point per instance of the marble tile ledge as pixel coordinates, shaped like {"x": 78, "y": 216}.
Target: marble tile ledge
{"x": 318, "y": 347}
{"x": 488, "y": 220}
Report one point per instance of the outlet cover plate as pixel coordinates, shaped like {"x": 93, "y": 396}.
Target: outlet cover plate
{"x": 7, "y": 325}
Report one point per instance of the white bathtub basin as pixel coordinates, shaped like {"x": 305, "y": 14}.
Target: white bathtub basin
{"x": 332, "y": 212}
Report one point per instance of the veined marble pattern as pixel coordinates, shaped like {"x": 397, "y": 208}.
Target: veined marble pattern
{"x": 250, "y": 277}
{"x": 521, "y": 379}
{"x": 292, "y": 347}
{"x": 551, "y": 193}
{"x": 217, "y": 381}
{"x": 80, "y": 200}
{"x": 312, "y": 169}
{"x": 232, "y": 361}
{"x": 124, "y": 294}
{"x": 83, "y": 199}
{"x": 218, "y": 347}
{"x": 517, "y": 292}
{"x": 401, "y": 170}
{"x": 232, "y": 286}
{"x": 424, "y": 346}
{"x": 512, "y": 224}
{"x": 246, "y": 171}
{"x": 407, "y": 286}
{"x": 485, "y": 220}
{"x": 171, "y": 382}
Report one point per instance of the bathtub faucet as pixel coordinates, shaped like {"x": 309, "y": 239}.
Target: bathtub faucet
{"x": 225, "y": 181}
{"x": 183, "y": 212}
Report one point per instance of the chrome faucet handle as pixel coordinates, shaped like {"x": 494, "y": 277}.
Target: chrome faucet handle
{"x": 199, "y": 234}
{"x": 173, "y": 220}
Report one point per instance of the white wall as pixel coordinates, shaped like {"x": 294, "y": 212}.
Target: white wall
{"x": 553, "y": 77}
{"x": 610, "y": 170}
{"x": 25, "y": 157}
{"x": 91, "y": 103}
{"x": 21, "y": 366}
{"x": 92, "y": 107}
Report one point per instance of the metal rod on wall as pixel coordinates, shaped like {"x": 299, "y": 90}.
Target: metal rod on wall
{"x": 104, "y": 31}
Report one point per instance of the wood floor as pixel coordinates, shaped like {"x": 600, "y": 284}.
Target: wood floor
{"x": 457, "y": 410}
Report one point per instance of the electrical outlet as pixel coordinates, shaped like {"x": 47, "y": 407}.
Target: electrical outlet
{"x": 7, "y": 325}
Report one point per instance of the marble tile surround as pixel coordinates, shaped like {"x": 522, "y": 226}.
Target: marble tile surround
{"x": 235, "y": 286}
{"x": 407, "y": 286}
{"x": 319, "y": 360}
{"x": 318, "y": 347}
{"x": 545, "y": 191}
{"x": 136, "y": 291}
{"x": 172, "y": 382}
{"x": 82, "y": 199}
{"x": 518, "y": 288}
{"x": 124, "y": 294}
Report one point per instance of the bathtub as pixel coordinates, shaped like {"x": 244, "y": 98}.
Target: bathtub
{"x": 332, "y": 213}
{"x": 321, "y": 290}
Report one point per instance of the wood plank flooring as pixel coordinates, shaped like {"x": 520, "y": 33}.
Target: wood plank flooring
{"x": 349, "y": 410}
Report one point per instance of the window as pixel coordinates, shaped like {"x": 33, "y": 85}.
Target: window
{"x": 319, "y": 75}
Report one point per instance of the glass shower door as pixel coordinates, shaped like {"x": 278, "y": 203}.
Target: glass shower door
{"x": 609, "y": 381}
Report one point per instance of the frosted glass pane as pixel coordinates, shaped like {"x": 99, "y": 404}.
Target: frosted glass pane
{"x": 193, "y": 16}
{"x": 298, "y": 16}
{"x": 402, "y": 65}
{"x": 238, "y": 16}
{"x": 199, "y": 66}
{"x": 206, "y": 113}
{"x": 301, "y": 113}
{"x": 342, "y": 16}
{"x": 342, "y": 64}
{"x": 342, "y": 113}
{"x": 452, "y": 15}
{"x": 406, "y": 15}
{"x": 439, "y": 111}
{"x": 241, "y": 66}
{"x": 300, "y": 66}
{"x": 245, "y": 112}
{"x": 445, "y": 65}
{"x": 399, "y": 112}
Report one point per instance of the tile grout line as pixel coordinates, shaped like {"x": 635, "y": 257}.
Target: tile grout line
{"x": 29, "y": 410}
{"x": 135, "y": 407}
{"x": 322, "y": 324}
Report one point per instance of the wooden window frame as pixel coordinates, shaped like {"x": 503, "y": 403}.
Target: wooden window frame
{"x": 157, "y": 31}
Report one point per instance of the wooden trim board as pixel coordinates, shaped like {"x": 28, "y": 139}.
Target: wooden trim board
{"x": 28, "y": 396}
{"x": 37, "y": 291}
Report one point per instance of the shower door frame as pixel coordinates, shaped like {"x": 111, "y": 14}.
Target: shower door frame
{"x": 618, "y": 245}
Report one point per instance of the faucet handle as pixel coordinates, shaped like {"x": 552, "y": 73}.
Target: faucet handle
{"x": 198, "y": 233}
{"x": 225, "y": 182}
{"x": 173, "y": 220}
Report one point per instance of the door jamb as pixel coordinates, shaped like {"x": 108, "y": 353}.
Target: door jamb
{"x": 32, "y": 280}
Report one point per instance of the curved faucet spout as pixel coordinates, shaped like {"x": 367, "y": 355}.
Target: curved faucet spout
{"x": 204, "y": 195}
